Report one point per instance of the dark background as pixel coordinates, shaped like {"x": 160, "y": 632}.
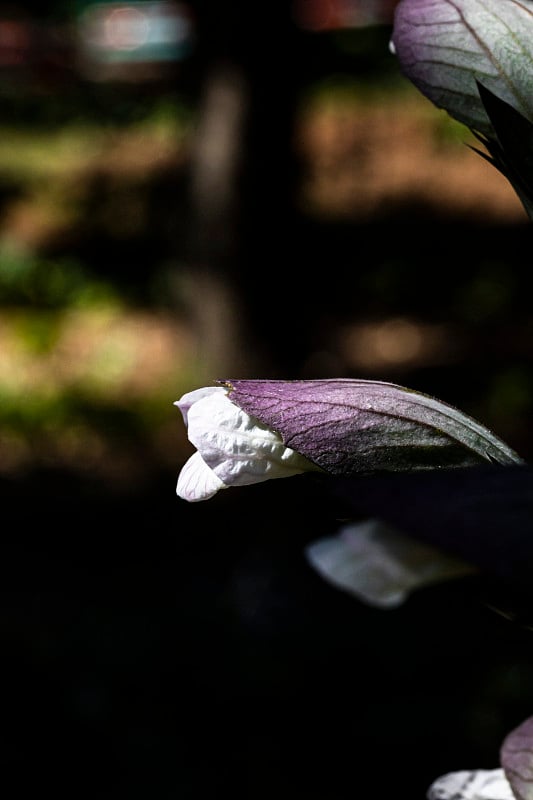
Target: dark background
{"x": 156, "y": 648}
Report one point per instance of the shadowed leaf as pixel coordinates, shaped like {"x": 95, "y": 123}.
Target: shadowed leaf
{"x": 483, "y": 515}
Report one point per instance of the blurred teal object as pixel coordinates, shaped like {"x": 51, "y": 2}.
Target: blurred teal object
{"x": 133, "y": 33}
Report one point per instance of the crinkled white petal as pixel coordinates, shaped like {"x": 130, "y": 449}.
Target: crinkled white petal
{"x": 477, "y": 784}
{"x": 379, "y": 565}
{"x": 234, "y": 449}
{"x": 197, "y": 481}
{"x": 237, "y": 447}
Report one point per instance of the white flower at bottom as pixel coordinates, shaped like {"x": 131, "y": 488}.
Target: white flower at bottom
{"x": 233, "y": 449}
{"x": 477, "y": 784}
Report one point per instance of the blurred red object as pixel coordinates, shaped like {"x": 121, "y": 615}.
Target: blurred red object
{"x": 327, "y": 15}
{"x": 16, "y": 42}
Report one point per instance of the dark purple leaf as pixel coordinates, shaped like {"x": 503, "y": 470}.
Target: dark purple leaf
{"x": 353, "y": 427}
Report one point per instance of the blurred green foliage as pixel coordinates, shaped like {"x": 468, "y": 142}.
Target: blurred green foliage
{"x": 83, "y": 372}
{"x": 41, "y": 283}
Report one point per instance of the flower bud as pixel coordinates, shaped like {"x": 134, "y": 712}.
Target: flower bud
{"x": 248, "y": 431}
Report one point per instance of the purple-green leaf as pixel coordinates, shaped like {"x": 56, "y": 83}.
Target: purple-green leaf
{"x": 516, "y": 756}
{"x": 445, "y": 46}
{"x": 350, "y": 427}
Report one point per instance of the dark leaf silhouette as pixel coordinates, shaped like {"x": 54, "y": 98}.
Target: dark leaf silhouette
{"x": 511, "y": 151}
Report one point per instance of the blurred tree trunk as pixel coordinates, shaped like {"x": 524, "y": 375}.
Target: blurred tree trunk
{"x": 243, "y": 182}
{"x": 213, "y": 236}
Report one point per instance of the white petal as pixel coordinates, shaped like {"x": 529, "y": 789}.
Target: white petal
{"x": 237, "y": 447}
{"x": 190, "y": 398}
{"x": 478, "y": 784}
{"x": 197, "y": 481}
{"x": 379, "y": 565}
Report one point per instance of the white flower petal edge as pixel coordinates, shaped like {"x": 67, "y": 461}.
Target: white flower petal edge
{"x": 234, "y": 449}
{"x": 379, "y": 565}
{"x": 187, "y": 400}
{"x": 476, "y": 784}
{"x": 197, "y": 481}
